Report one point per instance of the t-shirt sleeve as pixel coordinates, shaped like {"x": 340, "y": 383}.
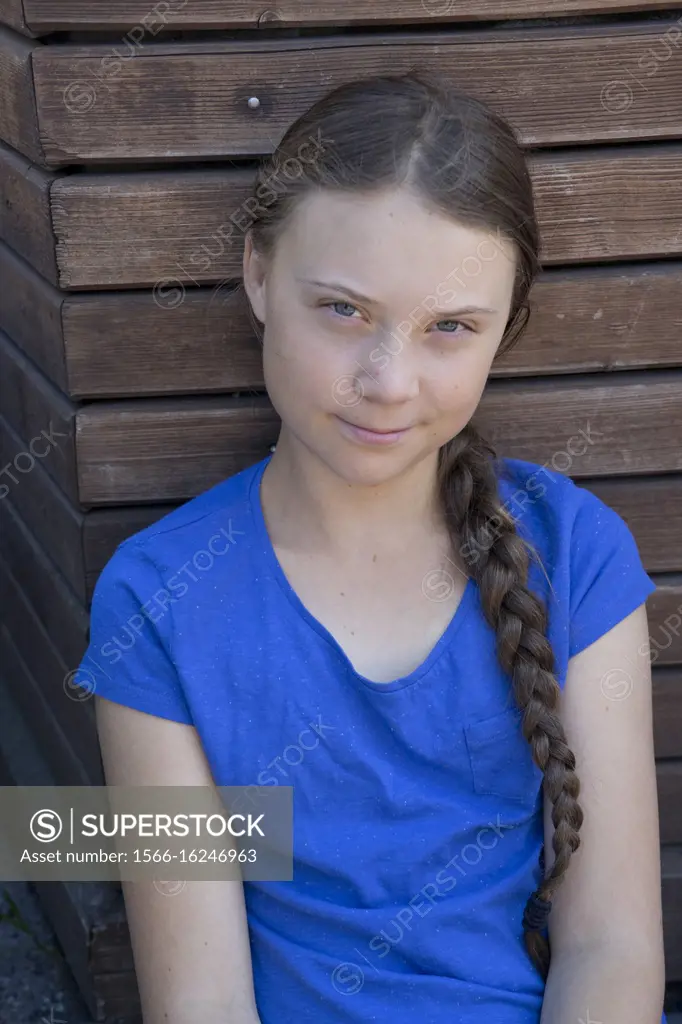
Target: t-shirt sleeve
{"x": 129, "y": 656}
{"x": 608, "y": 580}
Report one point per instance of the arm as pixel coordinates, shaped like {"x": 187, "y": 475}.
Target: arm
{"x": 605, "y": 926}
{"x": 191, "y": 950}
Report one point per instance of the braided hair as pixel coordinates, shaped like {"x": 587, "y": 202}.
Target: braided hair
{"x": 468, "y": 477}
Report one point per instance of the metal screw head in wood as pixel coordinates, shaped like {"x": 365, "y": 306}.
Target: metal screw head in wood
{"x": 253, "y": 102}
{"x": 267, "y": 16}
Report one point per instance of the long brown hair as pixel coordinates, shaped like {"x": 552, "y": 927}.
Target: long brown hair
{"x": 465, "y": 161}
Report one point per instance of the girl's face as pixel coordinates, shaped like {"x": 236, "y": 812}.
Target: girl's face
{"x": 382, "y": 315}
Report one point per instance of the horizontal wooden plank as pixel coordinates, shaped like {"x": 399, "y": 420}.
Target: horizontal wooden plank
{"x": 617, "y": 424}
{"x": 667, "y": 702}
{"x": 558, "y": 86}
{"x": 671, "y": 878}
{"x": 25, "y": 213}
{"x": 652, "y": 508}
{"x": 48, "y": 15}
{"x": 129, "y": 344}
{"x": 163, "y": 450}
{"x": 665, "y": 625}
{"x": 171, "y": 230}
{"x": 585, "y": 204}
{"x": 600, "y": 318}
{"x": 126, "y": 344}
{"x": 99, "y": 221}
{"x": 669, "y": 778}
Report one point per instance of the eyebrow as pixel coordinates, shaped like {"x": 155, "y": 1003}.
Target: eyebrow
{"x": 372, "y": 302}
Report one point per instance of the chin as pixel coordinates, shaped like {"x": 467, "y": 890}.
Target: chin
{"x": 366, "y": 468}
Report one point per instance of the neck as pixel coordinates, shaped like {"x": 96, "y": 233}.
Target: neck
{"x": 307, "y": 506}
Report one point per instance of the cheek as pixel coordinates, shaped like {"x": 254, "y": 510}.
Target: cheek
{"x": 299, "y": 367}
{"x": 459, "y": 379}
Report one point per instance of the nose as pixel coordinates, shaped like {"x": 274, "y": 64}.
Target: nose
{"x": 387, "y": 368}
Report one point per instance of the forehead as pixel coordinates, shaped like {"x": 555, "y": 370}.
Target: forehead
{"x": 391, "y": 247}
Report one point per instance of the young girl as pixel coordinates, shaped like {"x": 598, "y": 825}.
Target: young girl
{"x": 443, "y": 652}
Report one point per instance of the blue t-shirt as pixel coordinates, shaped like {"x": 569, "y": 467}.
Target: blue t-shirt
{"x": 417, "y": 806}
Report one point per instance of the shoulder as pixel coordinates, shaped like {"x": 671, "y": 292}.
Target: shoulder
{"x": 544, "y": 501}
{"x": 587, "y": 548}
{"x": 215, "y": 517}
{"x": 214, "y": 522}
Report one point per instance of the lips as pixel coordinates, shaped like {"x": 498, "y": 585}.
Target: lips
{"x": 375, "y": 430}
{"x": 371, "y": 436}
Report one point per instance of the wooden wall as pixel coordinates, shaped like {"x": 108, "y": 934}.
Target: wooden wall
{"x": 125, "y": 337}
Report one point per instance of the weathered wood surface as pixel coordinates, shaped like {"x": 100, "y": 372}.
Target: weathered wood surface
{"x": 43, "y": 419}
{"x": 43, "y": 507}
{"x": 65, "y": 764}
{"x": 58, "y": 611}
{"x": 31, "y": 315}
{"x": 12, "y": 14}
{"x": 669, "y": 779}
{"x": 26, "y": 212}
{"x": 18, "y": 123}
{"x": 671, "y": 872}
{"x": 558, "y": 86}
{"x": 665, "y": 625}
{"x": 667, "y": 700}
{"x": 653, "y": 512}
{"x": 48, "y": 15}
{"x": 78, "y": 543}
{"x": 588, "y": 426}
{"x": 74, "y": 717}
{"x": 172, "y": 230}
{"x": 125, "y": 344}
{"x": 87, "y": 917}
{"x": 138, "y": 451}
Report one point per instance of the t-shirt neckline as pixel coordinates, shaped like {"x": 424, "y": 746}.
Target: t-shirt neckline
{"x": 273, "y": 563}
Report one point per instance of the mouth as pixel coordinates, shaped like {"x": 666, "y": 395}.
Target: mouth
{"x": 372, "y": 434}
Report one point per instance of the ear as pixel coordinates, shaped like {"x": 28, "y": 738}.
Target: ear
{"x": 254, "y": 278}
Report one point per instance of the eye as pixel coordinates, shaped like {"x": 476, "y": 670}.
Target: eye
{"x": 342, "y": 308}
{"x": 451, "y": 326}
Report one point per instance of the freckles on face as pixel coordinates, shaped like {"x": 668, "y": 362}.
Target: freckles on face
{"x": 385, "y": 313}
